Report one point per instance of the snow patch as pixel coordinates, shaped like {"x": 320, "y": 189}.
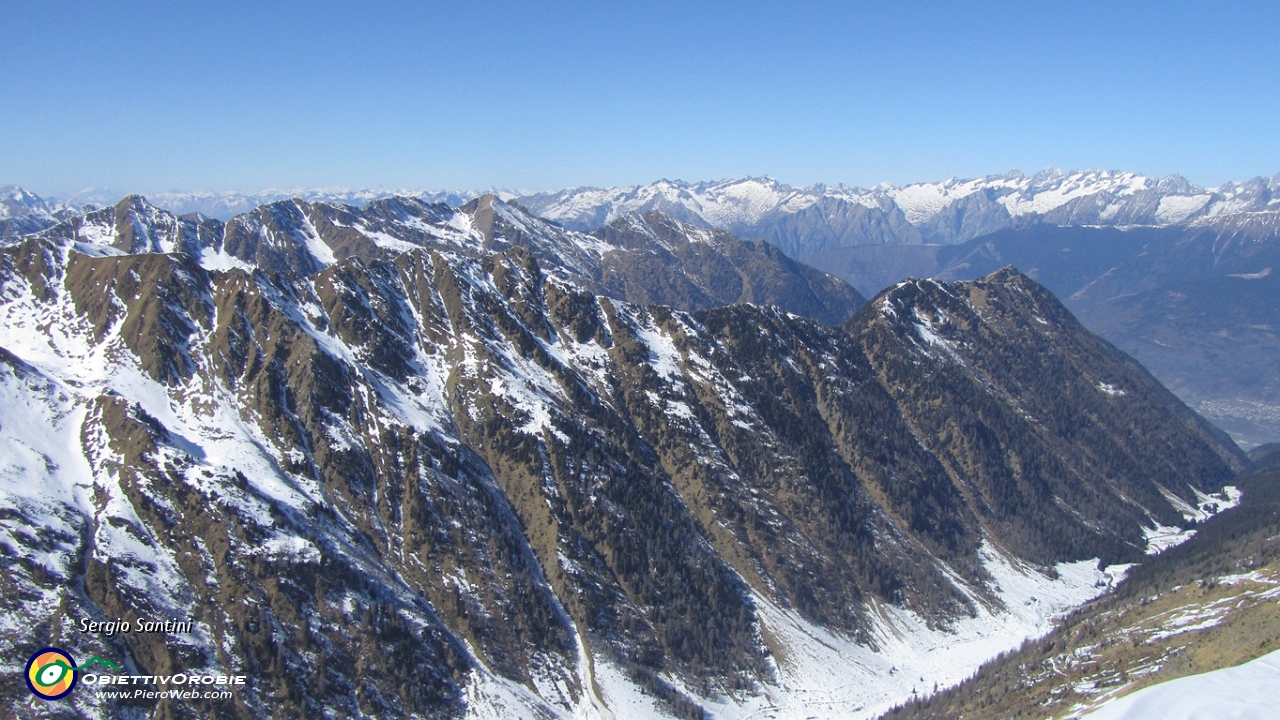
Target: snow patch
{"x": 625, "y": 700}
{"x": 1110, "y": 389}
{"x": 1176, "y": 208}
{"x": 1265, "y": 272}
{"x": 927, "y": 330}
{"x": 291, "y": 547}
{"x": 664, "y": 357}
{"x": 1162, "y": 537}
{"x": 219, "y": 260}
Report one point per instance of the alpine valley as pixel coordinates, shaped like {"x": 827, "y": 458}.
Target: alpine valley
{"x": 415, "y": 459}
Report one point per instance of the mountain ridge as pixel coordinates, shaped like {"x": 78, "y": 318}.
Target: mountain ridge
{"x": 649, "y": 259}
{"x": 1194, "y": 303}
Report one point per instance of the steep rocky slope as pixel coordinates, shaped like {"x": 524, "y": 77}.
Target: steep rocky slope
{"x": 435, "y": 482}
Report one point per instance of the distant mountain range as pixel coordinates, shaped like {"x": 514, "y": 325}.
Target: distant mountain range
{"x": 806, "y": 221}
{"x": 22, "y": 212}
{"x": 819, "y": 216}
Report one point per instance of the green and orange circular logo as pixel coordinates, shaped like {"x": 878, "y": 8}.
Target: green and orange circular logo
{"x": 51, "y": 673}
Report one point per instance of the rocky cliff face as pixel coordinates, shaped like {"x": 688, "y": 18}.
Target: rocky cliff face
{"x": 422, "y": 481}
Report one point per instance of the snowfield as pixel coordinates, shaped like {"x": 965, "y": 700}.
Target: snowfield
{"x": 1244, "y": 692}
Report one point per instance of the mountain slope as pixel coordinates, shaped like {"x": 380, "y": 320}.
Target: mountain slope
{"x": 1055, "y": 420}
{"x": 439, "y": 483}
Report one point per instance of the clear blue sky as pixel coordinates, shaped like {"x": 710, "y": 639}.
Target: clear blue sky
{"x": 151, "y": 96}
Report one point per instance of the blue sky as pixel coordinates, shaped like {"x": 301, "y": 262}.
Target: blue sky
{"x": 152, "y": 96}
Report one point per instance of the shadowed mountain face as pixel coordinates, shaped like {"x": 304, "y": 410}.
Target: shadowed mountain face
{"x": 1053, "y": 406}
{"x": 390, "y": 479}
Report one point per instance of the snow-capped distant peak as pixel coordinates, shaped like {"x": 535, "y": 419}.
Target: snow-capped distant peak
{"x": 921, "y": 201}
{"x": 745, "y": 204}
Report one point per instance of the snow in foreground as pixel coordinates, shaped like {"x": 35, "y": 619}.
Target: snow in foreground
{"x": 825, "y": 676}
{"x": 1244, "y": 692}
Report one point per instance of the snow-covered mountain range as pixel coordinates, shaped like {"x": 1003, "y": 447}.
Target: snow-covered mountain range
{"x": 948, "y": 211}
{"x": 224, "y": 205}
{"x": 647, "y": 259}
{"x": 805, "y": 221}
{"x": 1104, "y": 197}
